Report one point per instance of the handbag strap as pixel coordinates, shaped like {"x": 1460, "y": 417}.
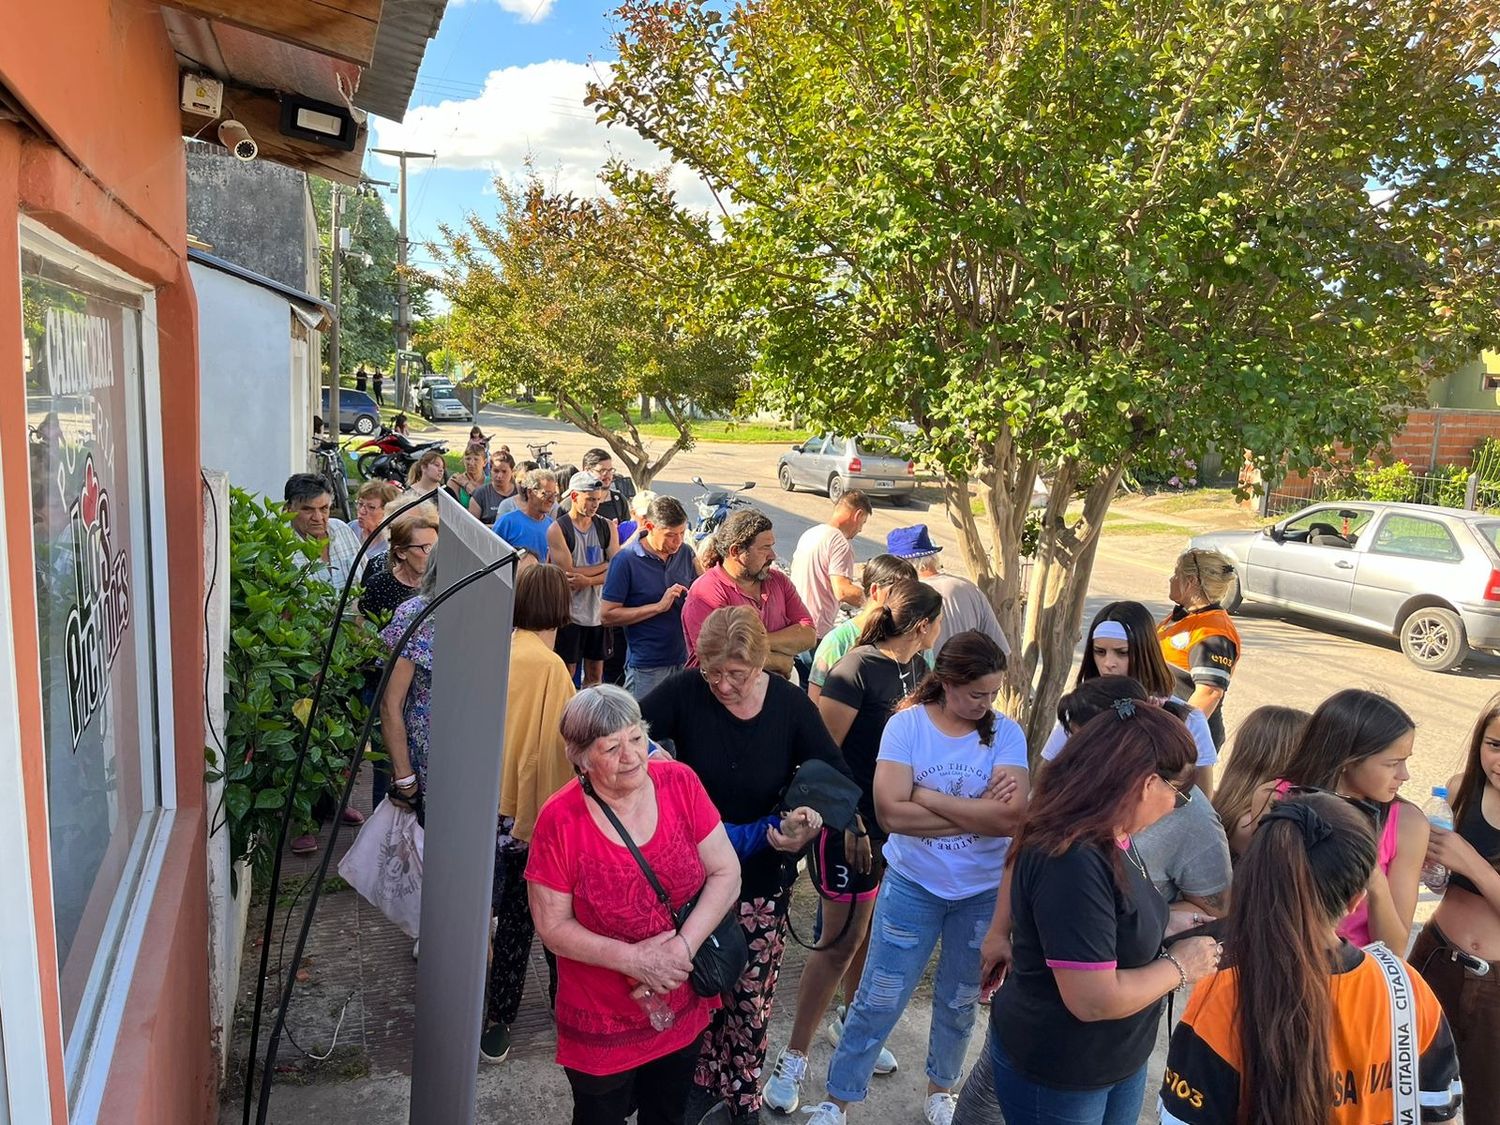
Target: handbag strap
{"x": 661, "y": 892}
{"x": 1403, "y": 1034}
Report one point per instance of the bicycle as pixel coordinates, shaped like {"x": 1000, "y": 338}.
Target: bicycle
{"x": 542, "y": 454}
{"x": 330, "y": 458}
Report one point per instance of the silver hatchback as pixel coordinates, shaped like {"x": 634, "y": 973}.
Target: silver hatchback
{"x": 872, "y": 463}
{"x": 1430, "y": 577}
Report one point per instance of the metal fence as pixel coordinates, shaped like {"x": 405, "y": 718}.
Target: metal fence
{"x": 1438, "y": 490}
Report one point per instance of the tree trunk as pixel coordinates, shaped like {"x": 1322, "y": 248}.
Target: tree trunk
{"x": 1059, "y": 586}
{"x": 629, "y": 448}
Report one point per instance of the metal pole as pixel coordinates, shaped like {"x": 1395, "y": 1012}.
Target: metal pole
{"x": 403, "y": 326}
{"x": 336, "y": 285}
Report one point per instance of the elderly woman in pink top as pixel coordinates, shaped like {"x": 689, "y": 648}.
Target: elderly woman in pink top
{"x": 628, "y": 1021}
{"x": 738, "y": 571}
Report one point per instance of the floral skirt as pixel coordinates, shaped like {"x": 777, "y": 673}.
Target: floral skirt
{"x": 732, "y": 1052}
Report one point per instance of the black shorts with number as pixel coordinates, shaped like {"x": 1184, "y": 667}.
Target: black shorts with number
{"x": 581, "y": 642}
{"x": 836, "y": 875}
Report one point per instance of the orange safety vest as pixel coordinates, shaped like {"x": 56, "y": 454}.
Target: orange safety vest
{"x": 1180, "y": 636}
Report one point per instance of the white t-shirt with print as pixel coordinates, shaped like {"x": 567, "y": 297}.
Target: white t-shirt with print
{"x": 951, "y": 867}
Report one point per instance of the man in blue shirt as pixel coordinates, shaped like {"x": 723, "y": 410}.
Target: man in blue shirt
{"x": 643, "y": 593}
{"x": 527, "y": 526}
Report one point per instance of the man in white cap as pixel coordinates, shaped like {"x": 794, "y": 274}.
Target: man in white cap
{"x": 964, "y": 604}
{"x": 582, "y": 543}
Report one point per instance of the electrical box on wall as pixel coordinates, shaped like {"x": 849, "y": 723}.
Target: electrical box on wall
{"x": 202, "y": 95}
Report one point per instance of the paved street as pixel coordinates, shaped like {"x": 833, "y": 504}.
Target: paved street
{"x": 360, "y": 970}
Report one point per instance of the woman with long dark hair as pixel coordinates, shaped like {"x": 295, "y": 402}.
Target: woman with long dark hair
{"x": 1263, "y": 744}
{"x": 858, "y": 697}
{"x": 1356, "y": 745}
{"x": 1076, "y": 937}
{"x": 1299, "y": 1030}
{"x": 950, "y": 786}
{"x": 1121, "y": 641}
{"x": 1463, "y": 937}
{"x": 877, "y": 578}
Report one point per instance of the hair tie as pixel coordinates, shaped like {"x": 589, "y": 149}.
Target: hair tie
{"x": 1314, "y": 828}
{"x": 1124, "y": 708}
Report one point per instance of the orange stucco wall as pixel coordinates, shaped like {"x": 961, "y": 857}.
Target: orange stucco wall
{"x": 100, "y": 79}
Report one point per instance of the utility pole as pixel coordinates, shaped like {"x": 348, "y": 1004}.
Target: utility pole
{"x": 336, "y": 286}
{"x": 403, "y": 313}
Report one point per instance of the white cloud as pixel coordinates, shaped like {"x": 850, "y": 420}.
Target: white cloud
{"x": 529, "y": 11}
{"x": 533, "y": 112}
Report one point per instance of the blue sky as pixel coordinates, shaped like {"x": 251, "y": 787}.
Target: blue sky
{"x": 501, "y": 81}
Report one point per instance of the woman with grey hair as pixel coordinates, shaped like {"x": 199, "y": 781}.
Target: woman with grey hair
{"x": 628, "y": 1022}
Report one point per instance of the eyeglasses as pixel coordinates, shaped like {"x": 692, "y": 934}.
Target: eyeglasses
{"x": 425, "y": 548}
{"x": 546, "y": 495}
{"x": 735, "y": 679}
{"x": 370, "y": 506}
{"x": 1182, "y": 797}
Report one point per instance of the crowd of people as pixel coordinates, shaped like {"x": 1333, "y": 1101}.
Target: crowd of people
{"x": 665, "y": 703}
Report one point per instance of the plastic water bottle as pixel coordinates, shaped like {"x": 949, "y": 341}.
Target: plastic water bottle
{"x": 657, "y": 1010}
{"x": 1440, "y": 815}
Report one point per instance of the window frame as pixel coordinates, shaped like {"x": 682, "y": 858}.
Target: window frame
{"x": 88, "y": 1052}
{"x": 1457, "y": 555}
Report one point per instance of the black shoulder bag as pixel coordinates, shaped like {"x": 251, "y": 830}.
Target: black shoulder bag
{"x": 722, "y": 957}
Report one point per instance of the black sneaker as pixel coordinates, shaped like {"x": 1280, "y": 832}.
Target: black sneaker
{"x": 494, "y": 1044}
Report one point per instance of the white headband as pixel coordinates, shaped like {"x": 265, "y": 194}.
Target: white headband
{"x": 1111, "y": 631}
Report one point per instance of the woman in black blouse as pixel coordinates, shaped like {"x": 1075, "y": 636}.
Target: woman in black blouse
{"x": 413, "y": 534}
{"x": 744, "y": 732}
{"x": 1078, "y": 927}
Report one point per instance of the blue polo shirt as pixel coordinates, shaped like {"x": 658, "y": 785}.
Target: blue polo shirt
{"x": 637, "y": 577}
{"x": 520, "y": 530}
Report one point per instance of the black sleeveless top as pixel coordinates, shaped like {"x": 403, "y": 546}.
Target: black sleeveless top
{"x": 1483, "y": 836}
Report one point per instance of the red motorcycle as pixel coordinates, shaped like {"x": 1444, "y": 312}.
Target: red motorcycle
{"x": 391, "y": 455}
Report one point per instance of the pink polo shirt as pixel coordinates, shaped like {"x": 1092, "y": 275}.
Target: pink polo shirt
{"x": 779, "y": 606}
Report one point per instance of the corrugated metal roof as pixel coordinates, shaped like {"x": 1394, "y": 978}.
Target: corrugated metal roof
{"x": 323, "y": 310}
{"x": 405, "y": 28}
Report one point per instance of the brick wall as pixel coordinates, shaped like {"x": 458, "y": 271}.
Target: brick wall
{"x": 1433, "y": 438}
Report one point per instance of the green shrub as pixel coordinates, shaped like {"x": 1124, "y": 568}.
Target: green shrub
{"x": 279, "y": 619}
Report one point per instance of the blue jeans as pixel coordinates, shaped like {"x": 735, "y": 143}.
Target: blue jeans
{"x": 640, "y": 681}
{"x": 1025, "y": 1102}
{"x": 909, "y": 921}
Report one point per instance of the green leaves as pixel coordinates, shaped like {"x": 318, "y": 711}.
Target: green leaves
{"x": 279, "y": 616}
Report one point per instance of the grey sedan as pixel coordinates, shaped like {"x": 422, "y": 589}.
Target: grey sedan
{"x": 1428, "y": 576}
{"x": 873, "y": 463}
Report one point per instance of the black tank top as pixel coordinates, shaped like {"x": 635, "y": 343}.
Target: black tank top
{"x": 1483, "y": 836}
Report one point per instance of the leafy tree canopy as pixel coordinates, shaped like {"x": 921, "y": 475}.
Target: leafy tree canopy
{"x": 368, "y": 282}
{"x": 591, "y": 302}
{"x": 1063, "y": 237}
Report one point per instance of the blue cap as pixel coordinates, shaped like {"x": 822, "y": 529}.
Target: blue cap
{"x": 911, "y": 542}
{"x": 1440, "y": 791}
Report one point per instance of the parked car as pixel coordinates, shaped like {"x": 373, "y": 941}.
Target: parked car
{"x": 873, "y": 463}
{"x": 440, "y": 402}
{"x": 358, "y": 413}
{"x": 1430, "y": 577}
{"x": 415, "y": 388}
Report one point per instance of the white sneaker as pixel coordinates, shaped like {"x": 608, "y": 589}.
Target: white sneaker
{"x": 885, "y": 1063}
{"x": 939, "y": 1108}
{"x": 825, "y": 1114}
{"x": 783, "y": 1091}
{"x": 416, "y": 948}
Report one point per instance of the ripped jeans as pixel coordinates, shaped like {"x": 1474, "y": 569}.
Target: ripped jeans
{"x": 909, "y": 921}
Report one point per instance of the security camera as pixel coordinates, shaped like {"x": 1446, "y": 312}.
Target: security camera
{"x": 237, "y": 139}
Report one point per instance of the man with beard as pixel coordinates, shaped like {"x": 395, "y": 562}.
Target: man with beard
{"x": 739, "y": 572}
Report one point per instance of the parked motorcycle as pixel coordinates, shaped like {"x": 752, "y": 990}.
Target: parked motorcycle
{"x": 714, "y": 506}
{"x": 391, "y": 455}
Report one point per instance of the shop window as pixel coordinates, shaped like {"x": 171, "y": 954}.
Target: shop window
{"x": 90, "y": 507}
